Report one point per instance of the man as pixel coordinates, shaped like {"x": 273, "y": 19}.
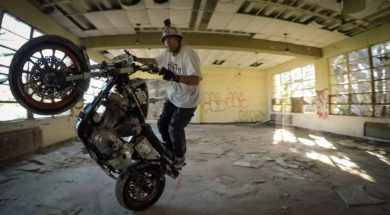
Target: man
{"x": 181, "y": 67}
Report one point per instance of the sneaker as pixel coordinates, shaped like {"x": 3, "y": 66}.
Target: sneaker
{"x": 179, "y": 163}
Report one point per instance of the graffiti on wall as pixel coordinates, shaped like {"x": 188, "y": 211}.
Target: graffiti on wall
{"x": 215, "y": 102}
{"x": 322, "y": 107}
{"x": 250, "y": 115}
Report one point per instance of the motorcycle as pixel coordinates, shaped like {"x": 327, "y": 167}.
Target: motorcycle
{"x": 49, "y": 74}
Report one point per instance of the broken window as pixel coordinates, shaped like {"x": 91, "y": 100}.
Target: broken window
{"x": 360, "y": 82}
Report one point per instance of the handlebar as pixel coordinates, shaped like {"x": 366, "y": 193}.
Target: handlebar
{"x": 113, "y": 69}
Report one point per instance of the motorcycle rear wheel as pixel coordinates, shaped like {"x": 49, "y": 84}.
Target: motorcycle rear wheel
{"x": 140, "y": 191}
{"x": 37, "y": 75}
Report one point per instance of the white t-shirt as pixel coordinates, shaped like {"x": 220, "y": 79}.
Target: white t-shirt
{"x": 186, "y": 62}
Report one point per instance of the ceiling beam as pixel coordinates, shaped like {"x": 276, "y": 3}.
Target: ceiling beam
{"x": 203, "y": 41}
{"x": 28, "y": 13}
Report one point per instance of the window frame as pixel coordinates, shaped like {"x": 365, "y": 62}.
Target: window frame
{"x": 292, "y": 103}
{"x": 372, "y": 80}
{"x": 28, "y": 114}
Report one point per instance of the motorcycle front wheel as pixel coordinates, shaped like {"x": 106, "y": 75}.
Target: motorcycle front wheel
{"x": 140, "y": 188}
{"x": 37, "y": 75}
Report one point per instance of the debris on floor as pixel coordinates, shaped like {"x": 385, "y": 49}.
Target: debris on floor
{"x": 253, "y": 160}
{"x": 284, "y": 207}
{"x": 232, "y": 170}
{"x": 353, "y": 145}
{"x": 246, "y": 190}
{"x": 294, "y": 163}
{"x": 72, "y": 211}
{"x": 355, "y": 194}
{"x": 37, "y": 161}
{"x": 5, "y": 179}
{"x": 216, "y": 151}
{"x": 250, "y": 163}
{"x": 284, "y": 196}
{"x": 34, "y": 167}
{"x": 30, "y": 167}
{"x": 225, "y": 185}
{"x": 258, "y": 181}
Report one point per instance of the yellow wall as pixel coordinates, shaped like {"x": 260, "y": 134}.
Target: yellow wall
{"x": 229, "y": 95}
{"x": 347, "y": 125}
{"x": 52, "y": 130}
{"x": 232, "y": 95}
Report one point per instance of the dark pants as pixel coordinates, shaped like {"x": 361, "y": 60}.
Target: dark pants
{"x": 171, "y": 125}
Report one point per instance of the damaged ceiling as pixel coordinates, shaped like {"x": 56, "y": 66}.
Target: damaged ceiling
{"x": 281, "y": 29}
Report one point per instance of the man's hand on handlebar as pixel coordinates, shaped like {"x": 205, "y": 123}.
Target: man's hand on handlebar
{"x": 168, "y": 75}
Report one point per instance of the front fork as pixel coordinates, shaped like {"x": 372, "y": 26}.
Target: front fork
{"x": 166, "y": 155}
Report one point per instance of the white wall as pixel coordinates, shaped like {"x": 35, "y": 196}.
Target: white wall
{"x": 346, "y": 125}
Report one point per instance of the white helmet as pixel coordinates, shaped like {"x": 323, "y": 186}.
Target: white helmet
{"x": 170, "y": 31}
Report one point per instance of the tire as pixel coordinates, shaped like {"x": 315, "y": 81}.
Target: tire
{"x": 149, "y": 180}
{"x": 37, "y": 75}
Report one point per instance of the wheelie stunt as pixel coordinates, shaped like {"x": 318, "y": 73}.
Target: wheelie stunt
{"x": 49, "y": 75}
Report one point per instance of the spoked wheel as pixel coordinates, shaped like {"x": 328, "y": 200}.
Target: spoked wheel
{"x": 37, "y": 75}
{"x": 141, "y": 190}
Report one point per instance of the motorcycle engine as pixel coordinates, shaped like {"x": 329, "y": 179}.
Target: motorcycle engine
{"x": 117, "y": 154}
{"x": 115, "y": 122}
{"x": 119, "y": 117}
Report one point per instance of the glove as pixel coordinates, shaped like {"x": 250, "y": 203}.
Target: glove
{"x": 154, "y": 69}
{"x": 168, "y": 75}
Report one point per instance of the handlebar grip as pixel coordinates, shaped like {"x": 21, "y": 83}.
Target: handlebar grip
{"x": 154, "y": 69}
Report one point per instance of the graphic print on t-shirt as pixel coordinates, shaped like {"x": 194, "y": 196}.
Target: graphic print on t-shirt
{"x": 174, "y": 67}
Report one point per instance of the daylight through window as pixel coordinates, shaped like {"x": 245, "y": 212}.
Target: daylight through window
{"x": 294, "y": 90}
{"x": 360, "y": 82}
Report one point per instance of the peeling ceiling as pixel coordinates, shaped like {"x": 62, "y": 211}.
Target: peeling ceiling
{"x": 313, "y": 23}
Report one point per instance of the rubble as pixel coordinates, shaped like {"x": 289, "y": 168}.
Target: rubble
{"x": 216, "y": 151}
{"x": 258, "y": 181}
{"x": 284, "y": 196}
{"x": 355, "y": 194}
{"x": 349, "y": 143}
{"x": 5, "y": 179}
{"x": 30, "y": 167}
{"x": 224, "y": 185}
{"x": 246, "y": 190}
{"x": 254, "y": 160}
{"x": 284, "y": 207}
{"x": 250, "y": 163}
{"x": 294, "y": 163}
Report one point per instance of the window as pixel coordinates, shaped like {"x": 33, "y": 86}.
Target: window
{"x": 95, "y": 86}
{"x": 13, "y": 34}
{"x": 294, "y": 90}
{"x": 360, "y": 82}
{"x": 381, "y": 79}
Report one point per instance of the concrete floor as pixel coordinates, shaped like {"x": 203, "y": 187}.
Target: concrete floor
{"x": 232, "y": 169}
